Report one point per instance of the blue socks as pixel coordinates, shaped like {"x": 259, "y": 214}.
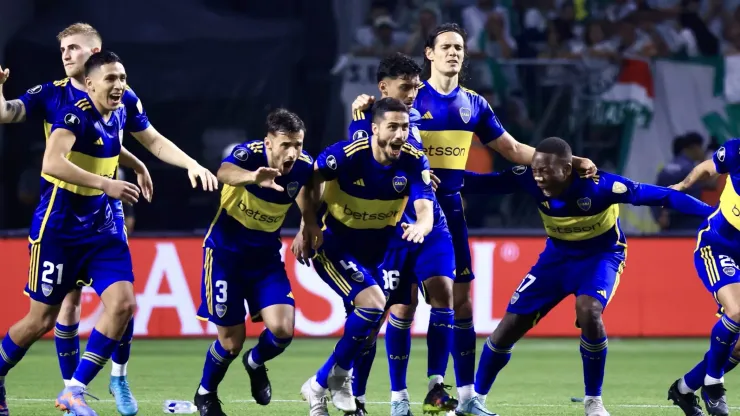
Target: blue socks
{"x": 724, "y": 337}
{"x": 362, "y": 366}
{"x": 493, "y": 359}
{"x": 593, "y": 353}
{"x": 268, "y": 347}
{"x": 123, "y": 351}
{"x": 214, "y": 369}
{"x": 98, "y": 352}
{"x": 439, "y": 341}
{"x": 398, "y": 348}
{"x": 463, "y": 352}
{"x": 10, "y": 355}
{"x": 67, "y": 340}
{"x": 358, "y": 327}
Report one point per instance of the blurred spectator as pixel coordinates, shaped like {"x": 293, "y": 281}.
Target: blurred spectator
{"x": 429, "y": 18}
{"x": 595, "y": 45}
{"x": 688, "y": 151}
{"x": 385, "y": 40}
{"x": 696, "y": 35}
{"x": 632, "y": 42}
{"x": 493, "y": 41}
{"x": 474, "y": 18}
{"x": 620, "y": 9}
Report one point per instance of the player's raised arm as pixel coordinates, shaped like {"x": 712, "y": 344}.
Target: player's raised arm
{"x": 504, "y": 182}
{"x": 721, "y": 162}
{"x": 626, "y": 191}
{"x": 168, "y": 152}
{"x": 56, "y": 164}
{"x": 12, "y": 111}
{"x": 422, "y": 194}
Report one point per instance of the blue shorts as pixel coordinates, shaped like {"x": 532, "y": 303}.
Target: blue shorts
{"x": 558, "y": 275}
{"x": 344, "y": 272}
{"x": 59, "y": 266}
{"x": 231, "y": 278}
{"x": 715, "y": 264}
{"x": 415, "y": 263}
{"x": 453, "y": 210}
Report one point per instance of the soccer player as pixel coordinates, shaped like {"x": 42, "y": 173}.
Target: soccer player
{"x": 367, "y": 184}
{"x": 451, "y": 116}
{"x": 74, "y": 238}
{"x": 431, "y": 263}
{"x": 714, "y": 259}
{"x": 77, "y": 43}
{"x": 241, "y": 256}
{"x": 584, "y": 255}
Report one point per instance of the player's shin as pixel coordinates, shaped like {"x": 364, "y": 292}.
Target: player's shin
{"x": 67, "y": 341}
{"x": 493, "y": 359}
{"x": 122, "y": 352}
{"x": 361, "y": 369}
{"x": 594, "y": 343}
{"x": 398, "y": 348}
{"x": 218, "y": 359}
{"x": 724, "y": 336}
{"x": 438, "y": 290}
{"x": 39, "y": 320}
{"x": 463, "y": 347}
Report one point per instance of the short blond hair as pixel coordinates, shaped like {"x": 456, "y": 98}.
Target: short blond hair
{"x": 80, "y": 29}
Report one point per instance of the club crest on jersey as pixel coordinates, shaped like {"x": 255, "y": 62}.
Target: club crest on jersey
{"x": 71, "y": 119}
{"x": 220, "y": 310}
{"x": 357, "y": 277}
{"x": 519, "y": 169}
{"x": 359, "y": 134}
{"x": 399, "y": 183}
{"x": 292, "y": 189}
{"x": 584, "y": 204}
{"x": 465, "y": 114}
{"x": 721, "y": 154}
{"x": 241, "y": 154}
{"x": 46, "y": 289}
{"x": 514, "y": 298}
{"x": 35, "y": 90}
{"x": 331, "y": 162}
{"x": 730, "y": 271}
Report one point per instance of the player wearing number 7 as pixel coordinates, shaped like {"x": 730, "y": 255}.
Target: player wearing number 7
{"x": 584, "y": 256}
{"x": 241, "y": 256}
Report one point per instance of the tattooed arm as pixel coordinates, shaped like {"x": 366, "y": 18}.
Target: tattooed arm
{"x": 12, "y": 111}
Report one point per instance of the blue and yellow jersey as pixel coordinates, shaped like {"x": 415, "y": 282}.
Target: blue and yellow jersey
{"x": 363, "y": 200}
{"x": 251, "y": 216}
{"x": 45, "y": 100}
{"x": 69, "y": 211}
{"x": 447, "y": 125}
{"x": 724, "y": 223}
{"x": 585, "y": 217}
{"x": 361, "y": 128}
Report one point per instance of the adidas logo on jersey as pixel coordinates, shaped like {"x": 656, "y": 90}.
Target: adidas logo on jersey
{"x": 359, "y": 182}
{"x": 99, "y": 142}
{"x": 427, "y": 116}
{"x": 465, "y": 272}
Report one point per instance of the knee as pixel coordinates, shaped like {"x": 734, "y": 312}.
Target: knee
{"x": 732, "y": 311}
{"x": 39, "y": 324}
{"x": 462, "y": 302}
{"x": 232, "y": 344}
{"x": 438, "y": 291}
{"x": 370, "y": 298}
{"x": 588, "y": 312}
{"x": 69, "y": 313}
{"x": 283, "y": 329}
{"x": 123, "y": 308}
{"x": 405, "y": 312}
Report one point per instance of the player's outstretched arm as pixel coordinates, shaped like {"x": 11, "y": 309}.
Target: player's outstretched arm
{"x": 626, "y": 191}
{"x": 56, "y": 165}
{"x": 508, "y": 147}
{"x": 12, "y": 111}
{"x": 505, "y": 182}
{"x": 168, "y": 152}
{"x": 310, "y": 236}
{"x": 233, "y": 175}
{"x": 703, "y": 171}
{"x": 127, "y": 159}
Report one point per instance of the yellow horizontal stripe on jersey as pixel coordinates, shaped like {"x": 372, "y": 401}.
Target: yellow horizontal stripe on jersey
{"x": 729, "y": 204}
{"x": 447, "y": 149}
{"x": 359, "y": 213}
{"x": 103, "y": 166}
{"x": 580, "y": 228}
{"x": 252, "y": 212}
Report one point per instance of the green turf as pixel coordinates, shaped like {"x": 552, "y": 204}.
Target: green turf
{"x": 540, "y": 379}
